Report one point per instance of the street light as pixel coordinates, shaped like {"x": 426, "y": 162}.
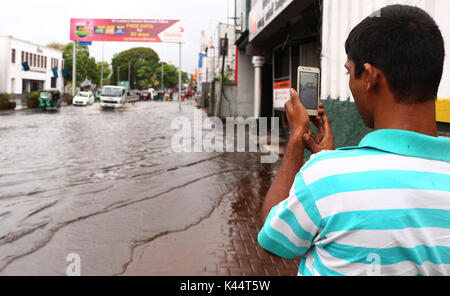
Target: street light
{"x": 162, "y": 75}
{"x": 129, "y": 77}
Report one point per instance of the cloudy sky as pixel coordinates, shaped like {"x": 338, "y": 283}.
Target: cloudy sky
{"x": 45, "y": 21}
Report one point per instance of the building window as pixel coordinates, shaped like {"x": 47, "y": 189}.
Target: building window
{"x": 13, "y": 56}
{"x": 53, "y": 82}
{"x": 45, "y": 62}
{"x": 26, "y": 57}
{"x": 54, "y": 63}
{"x": 23, "y": 57}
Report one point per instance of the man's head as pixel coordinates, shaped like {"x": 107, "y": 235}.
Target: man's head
{"x": 398, "y": 50}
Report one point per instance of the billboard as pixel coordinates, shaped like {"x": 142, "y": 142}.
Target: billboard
{"x": 263, "y": 12}
{"x": 126, "y": 30}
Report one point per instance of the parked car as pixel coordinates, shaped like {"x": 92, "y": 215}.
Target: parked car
{"x": 83, "y": 98}
{"x": 146, "y": 96}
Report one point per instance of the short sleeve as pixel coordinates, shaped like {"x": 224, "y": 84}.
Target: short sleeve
{"x": 292, "y": 225}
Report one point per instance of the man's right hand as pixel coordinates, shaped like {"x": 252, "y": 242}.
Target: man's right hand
{"x": 325, "y": 138}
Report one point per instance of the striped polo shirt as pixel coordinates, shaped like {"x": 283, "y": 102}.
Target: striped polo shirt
{"x": 382, "y": 208}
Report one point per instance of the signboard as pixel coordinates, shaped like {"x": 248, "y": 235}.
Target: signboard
{"x": 281, "y": 93}
{"x": 125, "y": 84}
{"x": 126, "y": 30}
{"x": 263, "y": 12}
{"x": 85, "y": 43}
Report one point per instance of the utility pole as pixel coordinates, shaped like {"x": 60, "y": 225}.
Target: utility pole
{"x": 74, "y": 67}
{"x": 224, "y": 53}
{"x": 129, "y": 74}
{"x": 103, "y": 51}
{"x": 118, "y": 74}
{"x": 179, "y": 79}
{"x": 162, "y": 75}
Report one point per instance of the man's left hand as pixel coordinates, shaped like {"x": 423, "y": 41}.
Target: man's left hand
{"x": 297, "y": 116}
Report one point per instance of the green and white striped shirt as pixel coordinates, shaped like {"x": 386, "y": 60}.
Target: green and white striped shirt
{"x": 382, "y": 208}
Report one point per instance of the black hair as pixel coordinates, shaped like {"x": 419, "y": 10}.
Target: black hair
{"x": 406, "y": 44}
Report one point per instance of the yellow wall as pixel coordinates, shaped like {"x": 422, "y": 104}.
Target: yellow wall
{"x": 443, "y": 110}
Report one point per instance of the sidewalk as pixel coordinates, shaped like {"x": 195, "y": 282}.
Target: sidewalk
{"x": 223, "y": 244}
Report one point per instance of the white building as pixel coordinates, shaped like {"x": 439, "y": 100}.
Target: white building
{"x": 286, "y": 34}
{"x": 212, "y": 61}
{"x": 43, "y": 63}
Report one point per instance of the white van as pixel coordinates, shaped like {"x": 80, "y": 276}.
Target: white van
{"x": 113, "y": 96}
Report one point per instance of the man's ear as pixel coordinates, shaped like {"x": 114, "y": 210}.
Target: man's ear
{"x": 373, "y": 76}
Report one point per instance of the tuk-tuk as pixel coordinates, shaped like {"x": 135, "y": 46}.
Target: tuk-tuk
{"x": 159, "y": 96}
{"x": 97, "y": 95}
{"x": 50, "y": 100}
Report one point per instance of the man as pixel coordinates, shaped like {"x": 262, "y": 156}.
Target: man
{"x": 382, "y": 208}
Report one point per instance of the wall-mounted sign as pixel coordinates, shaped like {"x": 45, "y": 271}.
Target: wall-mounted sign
{"x": 263, "y": 12}
{"x": 84, "y": 43}
{"x": 281, "y": 93}
{"x": 126, "y": 30}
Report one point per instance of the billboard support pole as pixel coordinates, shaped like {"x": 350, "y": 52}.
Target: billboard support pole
{"x": 103, "y": 52}
{"x": 179, "y": 78}
{"x": 74, "y": 67}
{"x": 162, "y": 75}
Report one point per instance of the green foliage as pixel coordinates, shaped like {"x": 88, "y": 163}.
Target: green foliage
{"x": 6, "y": 97}
{"x": 87, "y": 67}
{"x": 141, "y": 62}
{"x": 144, "y": 65}
{"x": 170, "y": 76}
{"x": 107, "y": 71}
{"x": 33, "y": 96}
{"x": 56, "y": 45}
{"x": 226, "y": 78}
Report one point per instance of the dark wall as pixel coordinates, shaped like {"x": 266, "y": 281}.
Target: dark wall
{"x": 347, "y": 125}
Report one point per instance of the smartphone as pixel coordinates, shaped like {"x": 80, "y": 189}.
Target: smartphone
{"x": 308, "y": 88}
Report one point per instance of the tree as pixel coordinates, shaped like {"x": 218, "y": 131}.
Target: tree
{"x": 86, "y": 66}
{"x": 107, "y": 71}
{"x": 56, "y": 45}
{"x": 142, "y": 63}
{"x": 170, "y": 76}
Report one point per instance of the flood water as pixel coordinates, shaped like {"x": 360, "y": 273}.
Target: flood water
{"x": 98, "y": 183}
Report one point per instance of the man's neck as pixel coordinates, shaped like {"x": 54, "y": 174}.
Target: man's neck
{"x": 419, "y": 118}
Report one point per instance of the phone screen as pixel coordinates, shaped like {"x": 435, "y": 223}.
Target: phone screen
{"x": 309, "y": 90}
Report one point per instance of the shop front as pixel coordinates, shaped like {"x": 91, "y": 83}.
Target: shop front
{"x": 287, "y": 35}
{"x": 32, "y": 85}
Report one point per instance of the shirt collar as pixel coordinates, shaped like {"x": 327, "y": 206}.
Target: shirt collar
{"x": 408, "y": 143}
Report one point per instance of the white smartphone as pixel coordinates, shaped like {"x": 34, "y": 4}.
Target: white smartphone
{"x": 308, "y": 88}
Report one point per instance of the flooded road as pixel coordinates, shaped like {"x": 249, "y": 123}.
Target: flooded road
{"x": 98, "y": 183}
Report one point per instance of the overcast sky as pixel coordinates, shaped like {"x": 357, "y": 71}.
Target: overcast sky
{"x": 45, "y": 21}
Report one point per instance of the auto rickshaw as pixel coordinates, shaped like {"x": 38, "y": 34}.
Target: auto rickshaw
{"x": 97, "y": 95}
{"x": 159, "y": 96}
{"x": 50, "y": 100}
